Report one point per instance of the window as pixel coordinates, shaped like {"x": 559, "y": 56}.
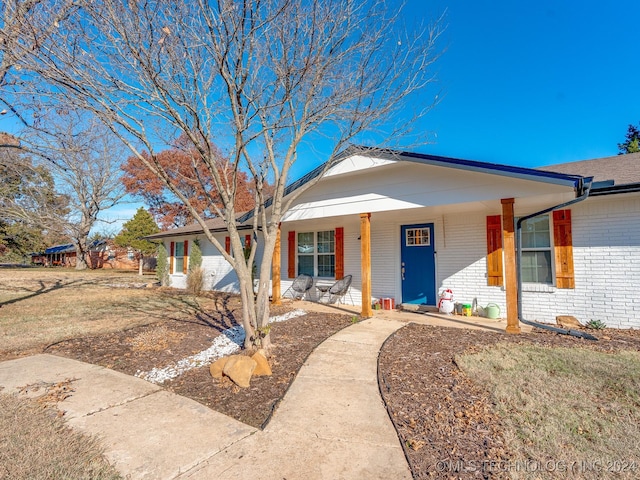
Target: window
{"x": 536, "y": 251}
{"x": 316, "y": 254}
{"x": 130, "y": 254}
{"x": 418, "y": 237}
{"x": 178, "y": 264}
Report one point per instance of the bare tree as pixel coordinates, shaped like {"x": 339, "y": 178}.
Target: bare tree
{"x": 258, "y": 79}
{"x": 84, "y": 158}
{"x": 24, "y": 24}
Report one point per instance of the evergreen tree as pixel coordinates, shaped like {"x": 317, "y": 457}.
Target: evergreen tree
{"x": 162, "y": 267}
{"x": 131, "y": 236}
{"x": 632, "y": 142}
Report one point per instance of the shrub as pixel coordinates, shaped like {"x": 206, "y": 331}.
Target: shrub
{"x": 162, "y": 267}
{"x": 595, "y": 324}
{"x": 195, "y": 275}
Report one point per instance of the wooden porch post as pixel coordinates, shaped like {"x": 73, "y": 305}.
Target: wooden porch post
{"x": 509, "y": 245}
{"x": 276, "y": 296}
{"x": 365, "y": 262}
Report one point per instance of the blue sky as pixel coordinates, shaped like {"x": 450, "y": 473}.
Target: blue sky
{"x": 529, "y": 83}
{"x": 534, "y": 83}
{"x": 526, "y": 83}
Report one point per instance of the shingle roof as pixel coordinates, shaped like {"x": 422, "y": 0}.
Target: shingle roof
{"x": 622, "y": 169}
{"x": 70, "y": 248}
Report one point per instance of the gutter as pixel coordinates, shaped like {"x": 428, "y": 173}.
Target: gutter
{"x": 583, "y": 190}
{"x": 612, "y": 190}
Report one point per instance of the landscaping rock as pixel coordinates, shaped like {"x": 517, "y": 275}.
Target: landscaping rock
{"x": 262, "y": 365}
{"x": 567, "y": 321}
{"x": 217, "y": 367}
{"x": 239, "y": 369}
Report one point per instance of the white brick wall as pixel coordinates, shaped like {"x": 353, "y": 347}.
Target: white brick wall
{"x": 462, "y": 264}
{"x": 606, "y": 255}
{"x": 351, "y": 227}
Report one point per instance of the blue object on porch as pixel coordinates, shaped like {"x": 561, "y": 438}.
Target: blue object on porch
{"x": 418, "y": 265}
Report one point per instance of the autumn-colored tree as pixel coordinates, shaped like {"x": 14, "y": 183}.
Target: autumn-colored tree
{"x": 184, "y": 167}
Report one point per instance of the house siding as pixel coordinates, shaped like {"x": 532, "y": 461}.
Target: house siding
{"x": 218, "y": 273}
{"x": 606, "y": 250}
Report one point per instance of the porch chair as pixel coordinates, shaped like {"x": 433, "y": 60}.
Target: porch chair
{"x": 339, "y": 290}
{"x": 300, "y": 286}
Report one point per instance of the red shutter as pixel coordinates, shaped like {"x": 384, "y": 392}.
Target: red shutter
{"x": 247, "y": 242}
{"x": 339, "y": 250}
{"x": 172, "y": 249}
{"x": 292, "y": 255}
{"x": 494, "y": 250}
{"x": 563, "y": 248}
{"x": 227, "y": 244}
{"x": 185, "y": 262}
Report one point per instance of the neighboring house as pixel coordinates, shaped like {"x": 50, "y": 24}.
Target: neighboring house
{"x": 433, "y": 223}
{"x": 103, "y": 253}
{"x": 56, "y": 256}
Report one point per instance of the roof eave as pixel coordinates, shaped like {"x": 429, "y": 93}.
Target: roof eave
{"x": 171, "y": 233}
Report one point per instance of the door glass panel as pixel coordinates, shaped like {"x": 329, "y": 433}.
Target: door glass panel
{"x": 418, "y": 237}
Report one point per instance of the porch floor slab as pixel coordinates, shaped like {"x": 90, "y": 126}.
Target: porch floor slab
{"x": 423, "y": 316}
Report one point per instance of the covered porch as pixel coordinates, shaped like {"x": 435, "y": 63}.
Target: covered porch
{"x": 408, "y": 225}
{"x": 377, "y": 249}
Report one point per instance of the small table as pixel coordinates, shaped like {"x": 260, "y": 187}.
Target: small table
{"x": 323, "y": 287}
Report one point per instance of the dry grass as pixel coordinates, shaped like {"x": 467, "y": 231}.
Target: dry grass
{"x": 195, "y": 280}
{"x": 35, "y": 444}
{"x": 564, "y": 408}
{"x": 154, "y": 340}
{"x": 43, "y": 306}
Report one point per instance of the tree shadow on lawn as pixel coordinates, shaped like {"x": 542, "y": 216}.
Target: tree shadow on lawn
{"x": 185, "y": 308}
{"x": 44, "y": 288}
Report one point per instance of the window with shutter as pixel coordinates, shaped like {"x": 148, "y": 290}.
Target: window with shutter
{"x": 185, "y": 262}
{"x": 172, "y": 249}
{"x": 494, "y": 250}
{"x": 291, "y": 255}
{"x": 339, "y": 239}
{"x": 563, "y": 249}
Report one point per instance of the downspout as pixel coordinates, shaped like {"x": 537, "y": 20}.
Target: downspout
{"x": 584, "y": 187}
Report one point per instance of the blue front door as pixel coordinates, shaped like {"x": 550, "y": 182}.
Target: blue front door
{"x": 418, "y": 264}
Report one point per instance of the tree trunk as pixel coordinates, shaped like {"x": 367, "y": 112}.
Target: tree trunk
{"x": 81, "y": 256}
{"x": 140, "y": 263}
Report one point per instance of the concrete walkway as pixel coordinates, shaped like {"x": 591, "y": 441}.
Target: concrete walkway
{"x": 331, "y": 423}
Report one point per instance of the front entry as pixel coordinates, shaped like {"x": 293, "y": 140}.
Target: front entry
{"x": 418, "y": 265}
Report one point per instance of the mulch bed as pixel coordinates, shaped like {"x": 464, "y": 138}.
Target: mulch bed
{"x": 440, "y": 415}
{"x": 164, "y": 343}
{"x": 443, "y": 419}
